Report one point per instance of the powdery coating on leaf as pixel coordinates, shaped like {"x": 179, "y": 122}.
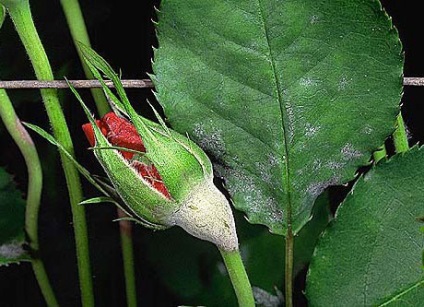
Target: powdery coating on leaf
{"x": 367, "y": 130}
{"x": 273, "y": 160}
{"x": 349, "y": 152}
{"x": 245, "y": 187}
{"x": 11, "y": 250}
{"x": 315, "y": 189}
{"x": 333, "y": 165}
{"x": 310, "y": 130}
{"x": 264, "y": 170}
{"x": 314, "y": 19}
{"x": 343, "y": 83}
{"x": 210, "y": 142}
{"x": 308, "y": 81}
{"x": 316, "y": 165}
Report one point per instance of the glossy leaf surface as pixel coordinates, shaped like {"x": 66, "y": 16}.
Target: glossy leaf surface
{"x": 372, "y": 254}
{"x": 288, "y": 97}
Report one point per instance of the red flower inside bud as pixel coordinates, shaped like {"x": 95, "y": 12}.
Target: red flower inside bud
{"x": 120, "y": 132}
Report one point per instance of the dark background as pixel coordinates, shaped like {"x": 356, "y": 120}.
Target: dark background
{"x": 122, "y": 32}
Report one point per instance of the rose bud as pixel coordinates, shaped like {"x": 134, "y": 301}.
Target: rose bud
{"x": 163, "y": 177}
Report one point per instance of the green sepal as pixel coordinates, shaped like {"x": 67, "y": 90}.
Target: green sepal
{"x": 83, "y": 171}
{"x": 180, "y": 162}
{"x": 98, "y": 200}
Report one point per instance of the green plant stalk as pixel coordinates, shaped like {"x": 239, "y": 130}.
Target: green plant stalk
{"x": 400, "y": 137}
{"x": 238, "y": 277}
{"x": 125, "y": 228}
{"x": 289, "y": 265}
{"x": 75, "y": 20}
{"x": 20, "y": 13}
{"x": 79, "y": 33}
{"x": 35, "y": 184}
{"x": 380, "y": 154}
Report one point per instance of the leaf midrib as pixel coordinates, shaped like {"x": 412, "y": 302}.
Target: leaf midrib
{"x": 286, "y": 169}
{"x": 404, "y": 292}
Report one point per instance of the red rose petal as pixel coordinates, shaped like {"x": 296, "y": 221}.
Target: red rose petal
{"x": 123, "y": 134}
{"x": 120, "y": 132}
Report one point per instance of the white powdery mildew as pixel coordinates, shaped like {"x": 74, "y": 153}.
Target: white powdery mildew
{"x": 314, "y": 19}
{"x": 343, "y": 83}
{"x": 367, "y": 130}
{"x": 317, "y": 164}
{"x": 273, "y": 160}
{"x": 212, "y": 142}
{"x": 244, "y": 187}
{"x": 308, "y": 81}
{"x": 264, "y": 170}
{"x": 349, "y": 152}
{"x": 207, "y": 215}
{"x": 310, "y": 130}
{"x": 333, "y": 165}
{"x": 315, "y": 189}
{"x": 11, "y": 250}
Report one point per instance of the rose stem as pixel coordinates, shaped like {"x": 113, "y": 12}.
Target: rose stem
{"x": 20, "y": 13}
{"x": 238, "y": 277}
{"x": 35, "y": 184}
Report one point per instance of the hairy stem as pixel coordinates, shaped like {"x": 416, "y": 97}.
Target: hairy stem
{"x": 21, "y": 15}
{"x": 35, "y": 184}
{"x": 400, "y": 137}
{"x": 75, "y": 20}
{"x": 76, "y": 23}
{"x": 128, "y": 259}
{"x": 238, "y": 276}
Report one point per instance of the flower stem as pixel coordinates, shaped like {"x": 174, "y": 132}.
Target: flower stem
{"x": 400, "y": 137}
{"x": 76, "y": 23}
{"x": 35, "y": 184}
{"x": 289, "y": 267}
{"x": 20, "y": 13}
{"x": 238, "y": 276}
{"x": 128, "y": 259}
{"x": 75, "y": 20}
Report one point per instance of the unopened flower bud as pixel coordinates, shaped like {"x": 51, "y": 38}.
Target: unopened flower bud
{"x": 163, "y": 178}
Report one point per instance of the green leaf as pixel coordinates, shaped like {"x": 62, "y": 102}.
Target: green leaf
{"x": 12, "y": 222}
{"x": 371, "y": 255}
{"x": 289, "y": 97}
